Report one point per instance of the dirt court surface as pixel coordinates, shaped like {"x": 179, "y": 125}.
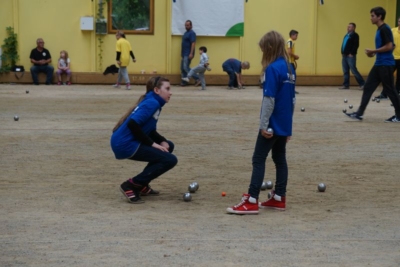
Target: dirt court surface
{"x": 60, "y": 204}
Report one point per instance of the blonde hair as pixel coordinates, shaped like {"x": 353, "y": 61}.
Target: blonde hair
{"x": 152, "y": 83}
{"x": 246, "y": 65}
{"x": 65, "y": 53}
{"x": 273, "y": 46}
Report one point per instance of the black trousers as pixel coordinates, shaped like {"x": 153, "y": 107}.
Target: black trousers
{"x": 377, "y": 75}
{"x": 396, "y": 68}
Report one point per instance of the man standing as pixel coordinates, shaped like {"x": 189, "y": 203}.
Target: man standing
{"x": 396, "y": 54}
{"x": 187, "y": 51}
{"x": 40, "y": 58}
{"x": 349, "y": 53}
{"x": 293, "y": 34}
{"x": 382, "y": 71}
{"x": 124, "y": 52}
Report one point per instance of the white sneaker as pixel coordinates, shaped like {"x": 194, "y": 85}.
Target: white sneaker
{"x": 116, "y": 85}
{"x": 128, "y": 87}
{"x": 186, "y": 79}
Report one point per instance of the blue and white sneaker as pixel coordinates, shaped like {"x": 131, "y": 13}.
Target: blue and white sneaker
{"x": 354, "y": 116}
{"x": 393, "y": 119}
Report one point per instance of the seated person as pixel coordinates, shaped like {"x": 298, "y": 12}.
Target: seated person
{"x": 40, "y": 57}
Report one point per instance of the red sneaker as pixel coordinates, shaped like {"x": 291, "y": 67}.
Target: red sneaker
{"x": 245, "y": 206}
{"x": 275, "y": 202}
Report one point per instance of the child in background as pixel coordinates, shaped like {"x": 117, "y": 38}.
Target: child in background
{"x": 276, "y": 113}
{"x": 64, "y": 65}
{"x": 201, "y": 68}
{"x": 135, "y": 137}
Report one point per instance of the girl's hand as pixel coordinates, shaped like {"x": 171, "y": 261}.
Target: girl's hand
{"x": 157, "y": 146}
{"x": 165, "y": 144}
{"x": 266, "y": 134}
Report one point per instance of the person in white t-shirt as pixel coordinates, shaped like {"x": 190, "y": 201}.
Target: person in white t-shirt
{"x": 200, "y": 69}
{"x": 64, "y": 65}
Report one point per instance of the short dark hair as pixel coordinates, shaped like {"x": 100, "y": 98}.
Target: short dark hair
{"x": 190, "y": 22}
{"x": 379, "y": 11}
{"x": 293, "y": 32}
{"x": 203, "y": 48}
{"x": 352, "y": 23}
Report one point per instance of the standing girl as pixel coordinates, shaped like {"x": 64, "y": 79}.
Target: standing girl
{"x": 64, "y": 65}
{"x": 276, "y": 113}
{"x": 135, "y": 137}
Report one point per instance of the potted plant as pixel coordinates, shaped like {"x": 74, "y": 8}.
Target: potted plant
{"x": 10, "y": 53}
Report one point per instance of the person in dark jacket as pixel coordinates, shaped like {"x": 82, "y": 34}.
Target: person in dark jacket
{"x": 349, "y": 57}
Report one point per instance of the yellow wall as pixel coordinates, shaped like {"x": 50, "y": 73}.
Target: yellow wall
{"x": 321, "y": 30}
{"x": 331, "y": 27}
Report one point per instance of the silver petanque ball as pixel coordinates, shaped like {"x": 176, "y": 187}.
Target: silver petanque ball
{"x": 270, "y": 130}
{"x": 373, "y": 99}
{"x": 377, "y": 100}
{"x": 321, "y": 187}
{"x": 264, "y": 186}
{"x": 344, "y": 110}
{"x": 192, "y": 188}
{"x": 196, "y": 184}
{"x": 27, "y": 91}
{"x": 345, "y": 100}
{"x": 187, "y": 197}
{"x": 303, "y": 109}
{"x": 270, "y": 185}
{"x": 350, "y": 106}
{"x": 16, "y": 118}
{"x": 269, "y": 195}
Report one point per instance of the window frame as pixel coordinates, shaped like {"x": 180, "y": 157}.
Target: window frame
{"x": 151, "y": 21}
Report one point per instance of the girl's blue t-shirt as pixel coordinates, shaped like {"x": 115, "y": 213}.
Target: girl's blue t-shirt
{"x": 280, "y": 85}
{"x": 123, "y": 142}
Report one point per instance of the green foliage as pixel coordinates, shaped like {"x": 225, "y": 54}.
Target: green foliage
{"x": 130, "y": 14}
{"x": 10, "y": 53}
{"x": 100, "y": 19}
{"x": 100, "y": 54}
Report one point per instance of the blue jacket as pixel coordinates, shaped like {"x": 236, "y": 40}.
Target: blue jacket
{"x": 123, "y": 142}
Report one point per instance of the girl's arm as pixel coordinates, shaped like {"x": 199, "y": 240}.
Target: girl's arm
{"x": 59, "y": 65}
{"x": 267, "y": 108}
{"x": 68, "y": 64}
{"x": 142, "y": 137}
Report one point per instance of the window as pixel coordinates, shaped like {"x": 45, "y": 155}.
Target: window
{"x": 131, "y": 16}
